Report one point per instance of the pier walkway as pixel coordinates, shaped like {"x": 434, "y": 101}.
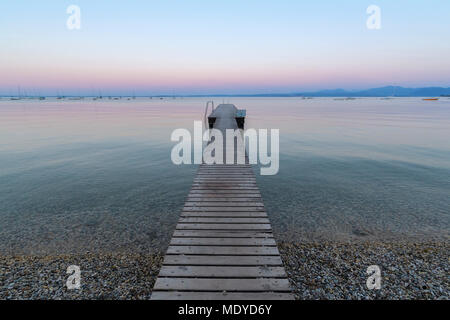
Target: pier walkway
{"x": 223, "y": 246}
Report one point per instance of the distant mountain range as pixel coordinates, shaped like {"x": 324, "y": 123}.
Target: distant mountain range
{"x": 388, "y": 91}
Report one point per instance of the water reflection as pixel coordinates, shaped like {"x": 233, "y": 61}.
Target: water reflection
{"x": 96, "y": 175}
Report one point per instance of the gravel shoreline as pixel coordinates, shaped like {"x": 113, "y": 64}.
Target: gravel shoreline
{"x": 316, "y": 270}
{"x": 337, "y": 270}
{"x": 103, "y": 276}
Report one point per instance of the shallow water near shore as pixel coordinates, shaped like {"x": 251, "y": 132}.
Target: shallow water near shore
{"x": 96, "y": 176}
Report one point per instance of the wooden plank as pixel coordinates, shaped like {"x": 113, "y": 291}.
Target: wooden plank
{"x": 222, "y": 234}
{"x": 234, "y": 214}
{"x": 227, "y": 184}
{"x": 191, "y": 260}
{"x": 224, "y": 189}
{"x": 257, "y": 196}
{"x": 224, "y": 192}
{"x": 222, "y": 209}
{"x": 224, "y": 241}
{"x": 221, "y": 250}
{"x": 220, "y": 185}
{"x": 222, "y": 226}
{"x": 207, "y": 173}
{"x": 230, "y": 168}
{"x": 227, "y": 204}
{"x": 230, "y": 182}
{"x": 222, "y": 174}
{"x": 223, "y": 220}
{"x": 205, "y": 166}
{"x": 221, "y": 199}
{"x": 227, "y": 194}
{"x": 237, "y": 189}
{"x": 225, "y": 178}
{"x": 221, "y": 272}
{"x": 226, "y": 166}
{"x": 222, "y": 284}
{"x": 248, "y": 171}
{"x": 223, "y": 182}
{"x": 179, "y": 295}
{"x": 224, "y": 195}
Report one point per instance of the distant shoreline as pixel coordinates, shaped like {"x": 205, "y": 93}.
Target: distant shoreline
{"x": 382, "y": 92}
{"x": 125, "y": 97}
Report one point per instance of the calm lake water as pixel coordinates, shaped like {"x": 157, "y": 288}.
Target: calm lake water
{"x": 97, "y": 175}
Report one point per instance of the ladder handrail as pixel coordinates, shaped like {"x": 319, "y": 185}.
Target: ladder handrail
{"x": 206, "y": 112}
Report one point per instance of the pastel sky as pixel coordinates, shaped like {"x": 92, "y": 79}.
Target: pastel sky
{"x": 221, "y": 46}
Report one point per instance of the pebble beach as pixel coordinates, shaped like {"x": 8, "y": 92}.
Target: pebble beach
{"x": 316, "y": 270}
{"x": 337, "y": 270}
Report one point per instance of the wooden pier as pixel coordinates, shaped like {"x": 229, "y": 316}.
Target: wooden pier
{"x": 223, "y": 246}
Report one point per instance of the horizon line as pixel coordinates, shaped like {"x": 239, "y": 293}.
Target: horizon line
{"x": 338, "y": 92}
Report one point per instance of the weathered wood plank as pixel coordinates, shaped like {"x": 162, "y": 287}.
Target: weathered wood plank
{"x": 201, "y": 260}
{"x": 226, "y": 192}
{"x": 222, "y": 204}
{"x": 225, "y": 181}
{"x": 208, "y": 173}
{"x": 223, "y": 209}
{"x": 226, "y": 185}
{"x": 225, "y": 167}
{"x": 222, "y": 174}
{"x": 225, "y": 178}
{"x": 221, "y": 185}
{"x": 221, "y": 272}
{"x": 223, "y": 220}
{"x": 178, "y": 295}
{"x": 222, "y": 226}
{"x": 222, "y": 199}
{"x": 256, "y": 196}
{"x": 222, "y": 284}
{"x": 237, "y": 189}
{"x": 226, "y": 196}
{"x": 221, "y": 250}
{"x": 224, "y": 241}
{"x": 233, "y": 214}
{"x": 237, "y": 167}
{"x": 223, "y": 234}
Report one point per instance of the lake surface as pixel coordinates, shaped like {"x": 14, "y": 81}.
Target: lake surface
{"x": 88, "y": 175}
